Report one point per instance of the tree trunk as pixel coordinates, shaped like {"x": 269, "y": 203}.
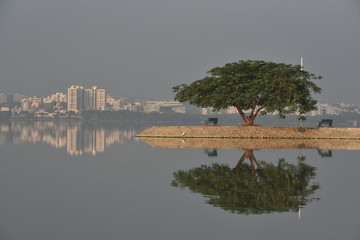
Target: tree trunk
{"x": 248, "y": 121}
{"x": 248, "y": 154}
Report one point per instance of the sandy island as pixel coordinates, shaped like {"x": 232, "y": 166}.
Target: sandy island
{"x": 254, "y": 137}
{"x": 257, "y": 132}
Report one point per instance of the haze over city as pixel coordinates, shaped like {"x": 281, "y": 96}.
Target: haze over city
{"x": 142, "y": 48}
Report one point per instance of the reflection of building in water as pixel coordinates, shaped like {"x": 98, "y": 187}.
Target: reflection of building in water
{"x": 89, "y": 142}
{"x": 100, "y": 140}
{"x": 76, "y": 137}
{"x": 74, "y": 141}
{"x": 94, "y": 141}
{"x": 4, "y": 132}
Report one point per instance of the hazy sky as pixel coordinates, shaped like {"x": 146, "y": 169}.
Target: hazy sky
{"x": 137, "y": 48}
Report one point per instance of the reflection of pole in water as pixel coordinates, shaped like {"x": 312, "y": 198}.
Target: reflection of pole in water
{"x": 300, "y": 157}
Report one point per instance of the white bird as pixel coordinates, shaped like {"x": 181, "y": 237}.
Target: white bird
{"x": 183, "y": 134}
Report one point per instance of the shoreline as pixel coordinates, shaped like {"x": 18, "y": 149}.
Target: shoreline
{"x": 253, "y": 144}
{"x": 250, "y": 132}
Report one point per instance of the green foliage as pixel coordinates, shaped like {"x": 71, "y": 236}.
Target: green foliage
{"x": 276, "y": 188}
{"x": 259, "y": 86}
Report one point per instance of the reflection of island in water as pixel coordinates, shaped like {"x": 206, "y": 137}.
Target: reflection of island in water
{"x": 254, "y": 188}
{"x": 78, "y": 138}
{"x": 252, "y": 143}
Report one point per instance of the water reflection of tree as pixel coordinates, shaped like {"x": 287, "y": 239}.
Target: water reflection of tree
{"x": 254, "y": 188}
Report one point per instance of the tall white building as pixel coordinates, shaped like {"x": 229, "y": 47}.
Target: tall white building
{"x": 3, "y": 98}
{"x": 18, "y": 97}
{"x": 89, "y": 99}
{"x": 100, "y": 99}
{"x": 75, "y": 98}
{"x": 94, "y": 98}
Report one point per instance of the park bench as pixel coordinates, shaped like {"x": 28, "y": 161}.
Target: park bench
{"x": 211, "y": 121}
{"x": 211, "y": 152}
{"x": 325, "y": 121}
{"x": 325, "y": 153}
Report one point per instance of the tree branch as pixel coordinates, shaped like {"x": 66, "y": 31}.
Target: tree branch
{"x": 253, "y": 109}
{"x": 242, "y": 114}
{"x": 259, "y": 109}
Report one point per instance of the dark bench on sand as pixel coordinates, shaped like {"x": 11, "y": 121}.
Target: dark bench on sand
{"x": 211, "y": 121}
{"x": 329, "y": 122}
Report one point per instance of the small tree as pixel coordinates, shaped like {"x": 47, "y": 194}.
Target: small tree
{"x": 256, "y": 86}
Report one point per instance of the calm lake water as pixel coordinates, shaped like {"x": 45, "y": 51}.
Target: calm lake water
{"x": 93, "y": 181}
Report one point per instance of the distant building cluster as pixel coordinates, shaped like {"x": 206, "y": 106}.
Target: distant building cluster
{"x": 78, "y": 98}
{"x": 164, "y": 106}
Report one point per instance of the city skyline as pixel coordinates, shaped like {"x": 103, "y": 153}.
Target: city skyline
{"x": 19, "y": 95}
{"x": 137, "y": 48}
{"x": 79, "y": 98}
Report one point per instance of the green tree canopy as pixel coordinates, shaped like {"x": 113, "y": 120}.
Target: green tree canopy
{"x": 258, "y": 86}
{"x": 274, "y": 188}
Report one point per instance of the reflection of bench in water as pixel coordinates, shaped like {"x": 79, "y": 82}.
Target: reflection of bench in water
{"x": 211, "y": 121}
{"x": 325, "y": 153}
{"x": 211, "y": 152}
{"x": 328, "y": 122}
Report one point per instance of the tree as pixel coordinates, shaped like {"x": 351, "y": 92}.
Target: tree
{"x": 281, "y": 187}
{"x": 256, "y": 86}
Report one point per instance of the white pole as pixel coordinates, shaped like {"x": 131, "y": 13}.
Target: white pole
{"x": 302, "y": 68}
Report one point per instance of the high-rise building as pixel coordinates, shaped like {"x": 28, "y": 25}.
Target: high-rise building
{"x": 3, "y": 98}
{"x": 100, "y": 99}
{"x": 18, "y": 97}
{"x": 10, "y": 99}
{"x": 75, "y": 98}
{"x": 89, "y": 96}
{"x": 94, "y": 98}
